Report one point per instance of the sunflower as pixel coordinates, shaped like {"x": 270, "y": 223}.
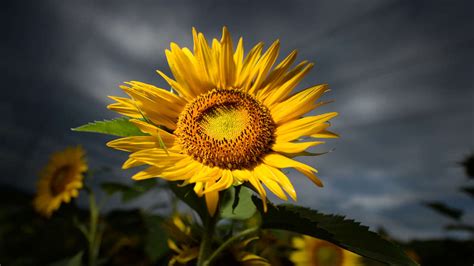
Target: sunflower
{"x": 185, "y": 246}
{"x": 182, "y": 241}
{"x": 314, "y": 252}
{"x": 60, "y": 180}
{"x": 246, "y": 258}
{"x": 230, "y": 119}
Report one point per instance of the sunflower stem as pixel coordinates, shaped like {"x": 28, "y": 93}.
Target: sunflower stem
{"x": 94, "y": 235}
{"x": 206, "y": 244}
{"x": 229, "y": 242}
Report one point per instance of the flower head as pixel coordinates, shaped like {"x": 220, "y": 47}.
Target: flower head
{"x": 231, "y": 119}
{"x": 182, "y": 242}
{"x": 185, "y": 246}
{"x": 60, "y": 180}
{"x": 314, "y": 252}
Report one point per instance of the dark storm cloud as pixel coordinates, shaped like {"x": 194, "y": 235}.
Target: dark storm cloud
{"x": 400, "y": 72}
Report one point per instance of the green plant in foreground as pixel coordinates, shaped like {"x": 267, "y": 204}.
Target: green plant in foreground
{"x": 228, "y": 124}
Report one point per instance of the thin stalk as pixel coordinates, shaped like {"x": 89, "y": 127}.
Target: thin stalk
{"x": 93, "y": 230}
{"x": 206, "y": 244}
{"x": 229, "y": 242}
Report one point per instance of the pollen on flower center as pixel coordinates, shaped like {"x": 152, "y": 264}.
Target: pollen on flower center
{"x": 225, "y": 122}
{"x": 226, "y": 128}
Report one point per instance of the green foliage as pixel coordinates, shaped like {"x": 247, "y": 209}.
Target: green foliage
{"x": 155, "y": 239}
{"x": 118, "y": 127}
{"x": 129, "y": 192}
{"x": 237, "y": 204}
{"x": 188, "y": 196}
{"x": 26, "y": 238}
{"x": 445, "y": 210}
{"x": 347, "y": 234}
{"x": 75, "y": 260}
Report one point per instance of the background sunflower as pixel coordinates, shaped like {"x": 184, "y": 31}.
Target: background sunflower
{"x": 311, "y": 251}
{"x": 60, "y": 180}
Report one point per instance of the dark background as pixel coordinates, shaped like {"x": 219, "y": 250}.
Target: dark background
{"x": 400, "y": 72}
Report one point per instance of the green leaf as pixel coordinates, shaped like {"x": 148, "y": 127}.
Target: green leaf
{"x": 75, "y": 260}
{"x": 445, "y": 210}
{"x": 468, "y": 190}
{"x": 237, "y": 204}
{"x": 118, "y": 127}
{"x": 342, "y": 232}
{"x": 188, "y": 196}
{"x": 156, "y": 240}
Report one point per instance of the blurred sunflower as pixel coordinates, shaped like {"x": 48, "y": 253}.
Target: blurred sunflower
{"x": 247, "y": 258}
{"x": 60, "y": 180}
{"x": 185, "y": 246}
{"x": 233, "y": 119}
{"x": 314, "y": 252}
{"x": 181, "y": 241}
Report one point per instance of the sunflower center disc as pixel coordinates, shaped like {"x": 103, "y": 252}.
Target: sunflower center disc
{"x": 326, "y": 255}
{"x": 226, "y": 128}
{"x": 60, "y": 179}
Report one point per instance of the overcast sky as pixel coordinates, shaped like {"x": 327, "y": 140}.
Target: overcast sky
{"x": 401, "y": 74}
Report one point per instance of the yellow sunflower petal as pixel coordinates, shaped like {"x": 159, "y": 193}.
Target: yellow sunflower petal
{"x": 187, "y": 70}
{"x": 226, "y": 60}
{"x": 154, "y": 131}
{"x": 264, "y": 65}
{"x": 136, "y": 143}
{"x": 151, "y": 91}
{"x": 294, "y": 147}
{"x": 282, "y": 179}
{"x": 153, "y": 109}
{"x": 286, "y": 88}
{"x": 180, "y": 171}
{"x": 125, "y": 107}
{"x": 298, "y": 104}
{"x": 245, "y": 78}
{"x": 206, "y": 173}
{"x": 131, "y": 162}
{"x": 266, "y": 178}
{"x": 208, "y": 60}
{"x": 212, "y": 198}
{"x": 224, "y": 182}
{"x": 305, "y": 126}
{"x": 325, "y": 134}
{"x": 176, "y": 86}
{"x": 277, "y": 74}
{"x": 258, "y": 186}
{"x": 279, "y": 161}
{"x": 156, "y": 156}
{"x": 239, "y": 57}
